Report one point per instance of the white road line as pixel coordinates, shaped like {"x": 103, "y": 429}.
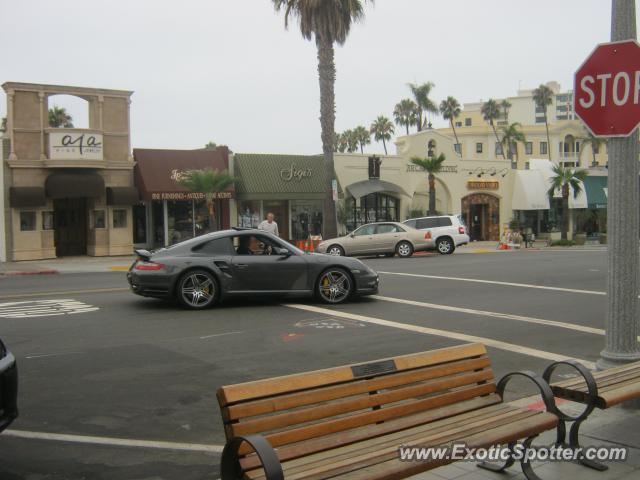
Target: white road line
{"x": 221, "y": 334}
{"x": 506, "y": 316}
{"x": 510, "y": 347}
{"x": 42, "y": 355}
{"x": 110, "y": 441}
{"x": 495, "y": 282}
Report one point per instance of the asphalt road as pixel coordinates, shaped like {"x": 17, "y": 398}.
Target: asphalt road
{"x": 112, "y": 370}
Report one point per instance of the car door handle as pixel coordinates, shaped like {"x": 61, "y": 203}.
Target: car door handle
{"x": 241, "y": 265}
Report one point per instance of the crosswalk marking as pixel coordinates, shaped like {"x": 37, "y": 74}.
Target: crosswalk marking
{"x": 44, "y": 308}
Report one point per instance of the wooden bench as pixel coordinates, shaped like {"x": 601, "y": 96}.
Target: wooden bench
{"x": 349, "y": 422}
{"x": 602, "y": 390}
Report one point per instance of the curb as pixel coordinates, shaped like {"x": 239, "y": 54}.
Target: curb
{"x": 34, "y": 272}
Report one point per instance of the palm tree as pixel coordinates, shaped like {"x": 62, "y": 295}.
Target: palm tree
{"x": 565, "y": 179}
{"x": 362, "y": 136}
{"x": 210, "y": 146}
{"x": 348, "y": 141}
{"x": 491, "y": 112}
{"x": 425, "y": 104}
{"x": 431, "y": 165}
{"x": 405, "y": 113}
{"x": 511, "y": 135}
{"x": 595, "y": 142}
{"x": 210, "y": 182}
{"x": 328, "y": 23}
{"x": 59, "y": 118}
{"x": 543, "y": 97}
{"x": 505, "y": 105}
{"x": 450, "y": 110}
{"x": 382, "y": 129}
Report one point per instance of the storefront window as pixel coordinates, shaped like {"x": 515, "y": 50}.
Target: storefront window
{"x": 119, "y": 218}
{"x": 249, "y": 214}
{"x": 99, "y": 219}
{"x": 180, "y": 220}
{"x": 139, "y": 223}
{"x": 201, "y": 217}
{"x": 375, "y": 207}
{"x": 47, "y": 220}
{"x": 27, "y": 221}
{"x": 306, "y": 219}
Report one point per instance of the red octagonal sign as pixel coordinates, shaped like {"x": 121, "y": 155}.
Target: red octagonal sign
{"x": 607, "y": 89}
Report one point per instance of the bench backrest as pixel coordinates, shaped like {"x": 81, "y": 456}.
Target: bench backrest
{"x": 357, "y": 400}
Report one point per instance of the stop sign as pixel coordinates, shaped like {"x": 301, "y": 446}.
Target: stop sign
{"x": 607, "y": 89}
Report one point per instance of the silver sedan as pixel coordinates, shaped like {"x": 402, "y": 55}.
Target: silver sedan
{"x": 388, "y": 238}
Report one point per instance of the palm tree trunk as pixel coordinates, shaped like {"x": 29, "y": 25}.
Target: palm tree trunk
{"x": 384, "y": 144}
{"x": 432, "y": 195}
{"x": 361, "y": 149}
{"x": 565, "y": 213}
{"x": 495, "y": 132}
{"x": 419, "y": 124}
{"x": 407, "y": 125}
{"x": 212, "y": 215}
{"x": 546, "y": 124}
{"x": 455, "y": 135}
{"x": 327, "y": 78}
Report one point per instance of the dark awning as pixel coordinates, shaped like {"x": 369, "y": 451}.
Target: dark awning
{"x": 74, "y": 185}
{"x": 21, "y": 197}
{"x": 365, "y": 187}
{"x": 596, "y": 189}
{"x": 122, "y": 196}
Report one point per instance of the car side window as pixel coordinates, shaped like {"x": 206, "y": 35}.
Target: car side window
{"x": 386, "y": 228}
{"x": 219, "y": 246}
{"x": 410, "y": 223}
{"x": 366, "y": 230}
{"x": 254, "y": 245}
{"x": 423, "y": 223}
{"x": 444, "y": 222}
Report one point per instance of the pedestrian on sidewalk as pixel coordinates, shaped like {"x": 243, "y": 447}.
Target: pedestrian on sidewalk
{"x": 269, "y": 225}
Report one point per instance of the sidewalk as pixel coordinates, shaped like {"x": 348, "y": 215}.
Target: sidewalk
{"x": 492, "y": 247}
{"x": 82, "y": 264}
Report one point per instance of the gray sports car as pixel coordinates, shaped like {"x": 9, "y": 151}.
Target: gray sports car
{"x": 204, "y": 270}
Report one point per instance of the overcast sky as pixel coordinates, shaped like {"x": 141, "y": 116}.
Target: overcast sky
{"x": 227, "y": 71}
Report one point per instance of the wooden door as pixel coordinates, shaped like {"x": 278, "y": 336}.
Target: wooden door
{"x": 70, "y": 226}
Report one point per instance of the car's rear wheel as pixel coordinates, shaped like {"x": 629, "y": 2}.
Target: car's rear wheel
{"x": 445, "y": 246}
{"x": 336, "y": 250}
{"x": 404, "y": 249}
{"x": 197, "y": 289}
{"x": 334, "y": 286}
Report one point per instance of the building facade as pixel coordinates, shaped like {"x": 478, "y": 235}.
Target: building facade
{"x": 68, "y": 191}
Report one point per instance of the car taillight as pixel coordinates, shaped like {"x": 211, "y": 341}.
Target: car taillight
{"x": 427, "y": 236}
{"x": 148, "y": 266}
{"x": 461, "y": 230}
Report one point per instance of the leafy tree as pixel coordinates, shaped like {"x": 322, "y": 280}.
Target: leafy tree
{"x": 210, "y": 146}
{"x": 491, "y": 112}
{"x": 405, "y": 113}
{"x": 431, "y": 165}
{"x": 348, "y": 141}
{"x": 382, "y": 129}
{"x": 328, "y": 22}
{"x": 505, "y": 105}
{"x": 543, "y": 97}
{"x": 450, "y": 110}
{"x": 566, "y": 179}
{"x": 59, "y": 118}
{"x": 362, "y": 136}
{"x": 511, "y": 135}
{"x": 425, "y": 104}
{"x": 210, "y": 182}
{"x": 595, "y": 142}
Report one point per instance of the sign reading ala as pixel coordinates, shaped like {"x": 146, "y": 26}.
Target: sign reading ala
{"x": 67, "y": 145}
{"x": 607, "y": 89}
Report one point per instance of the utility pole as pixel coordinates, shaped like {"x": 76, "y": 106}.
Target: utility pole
{"x": 623, "y": 226}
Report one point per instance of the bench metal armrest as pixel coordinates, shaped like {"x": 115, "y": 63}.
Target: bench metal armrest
{"x": 543, "y": 387}
{"x": 592, "y": 386}
{"x": 230, "y": 466}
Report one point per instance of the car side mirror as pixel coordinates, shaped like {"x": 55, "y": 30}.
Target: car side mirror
{"x": 352, "y": 235}
{"x": 285, "y": 252}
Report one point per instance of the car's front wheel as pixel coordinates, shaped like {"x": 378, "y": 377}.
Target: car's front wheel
{"x": 445, "y": 246}
{"x": 197, "y": 289}
{"x": 336, "y": 250}
{"x": 334, "y": 286}
{"x": 404, "y": 249}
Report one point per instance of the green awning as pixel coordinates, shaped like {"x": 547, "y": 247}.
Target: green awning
{"x": 263, "y": 176}
{"x": 596, "y": 190}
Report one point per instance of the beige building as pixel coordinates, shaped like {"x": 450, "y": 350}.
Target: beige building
{"x": 67, "y": 191}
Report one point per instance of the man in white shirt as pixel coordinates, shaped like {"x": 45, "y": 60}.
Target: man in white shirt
{"x": 269, "y": 225}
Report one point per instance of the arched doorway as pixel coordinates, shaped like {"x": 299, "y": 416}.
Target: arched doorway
{"x": 481, "y": 211}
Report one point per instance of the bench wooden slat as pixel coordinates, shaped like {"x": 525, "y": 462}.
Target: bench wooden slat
{"x": 622, "y": 394}
{"x": 284, "y": 402}
{"x": 362, "y": 402}
{"x": 459, "y": 410}
{"x": 302, "y": 381}
{"x": 633, "y": 368}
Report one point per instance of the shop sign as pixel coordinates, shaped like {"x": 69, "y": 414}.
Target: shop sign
{"x": 294, "y": 173}
{"x": 189, "y": 195}
{"x": 483, "y": 185}
{"x": 445, "y": 169}
{"x": 67, "y": 145}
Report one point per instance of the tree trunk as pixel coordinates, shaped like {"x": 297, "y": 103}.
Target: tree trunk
{"x": 327, "y": 78}
{"x": 419, "y": 124}
{"x": 384, "y": 144}
{"x": 407, "y": 125}
{"x": 361, "y": 149}
{"x": 212, "y": 215}
{"x": 495, "y": 132}
{"x": 455, "y": 135}
{"x": 432, "y": 195}
{"x": 546, "y": 124}
{"x": 565, "y": 213}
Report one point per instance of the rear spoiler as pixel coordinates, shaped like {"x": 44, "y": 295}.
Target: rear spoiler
{"x": 143, "y": 254}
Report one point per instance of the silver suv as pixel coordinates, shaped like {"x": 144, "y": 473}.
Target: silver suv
{"x": 444, "y": 232}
